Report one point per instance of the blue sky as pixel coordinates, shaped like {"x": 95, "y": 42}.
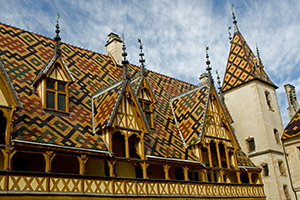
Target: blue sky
{"x": 174, "y": 33}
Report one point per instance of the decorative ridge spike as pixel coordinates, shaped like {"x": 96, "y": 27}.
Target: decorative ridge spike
{"x": 233, "y": 17}
{"x": 57, "y": 38}
{"x": 208, "y": 68}
{"x": 142, "y": 60}
{"x": 125, "y": 62}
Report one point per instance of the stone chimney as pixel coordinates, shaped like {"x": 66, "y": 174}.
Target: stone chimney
{"x": 292, "y": 100}
{"x": 114, "y": 48}
{"x": 203, "y": 78}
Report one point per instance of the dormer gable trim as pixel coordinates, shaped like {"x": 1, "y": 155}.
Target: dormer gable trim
{"x": 127, "y": 87}
{"x": 233, "y": 137}
{"x": 144, "y": 80}
{"x": 50, "y": 66}
{"x": 11, "y": 95}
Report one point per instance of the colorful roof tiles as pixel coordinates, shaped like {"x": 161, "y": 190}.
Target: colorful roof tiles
{"x": 189, "y": 111}
{"x": 241, "y": 65}
{"x": 25, "y": 54}
{"x": 293, "y": 127}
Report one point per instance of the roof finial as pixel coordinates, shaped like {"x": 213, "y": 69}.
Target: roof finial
{"x": 142, "y": 60}
{"x": 208, "y": 68}
{"x": 57, "y": 37}
{"x": 230, "y": 38}
{"x": 220, "y": 88}
{"x": 258, "y": 60}
{"x": 124, "y": 61}
{"x": 233, "y": 17}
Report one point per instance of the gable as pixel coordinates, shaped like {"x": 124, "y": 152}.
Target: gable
{"x": 217, "y": 125}
{"x": 8, "y": 95}
{"x": 145, "y": 91}
{"x": 128, "y": 114}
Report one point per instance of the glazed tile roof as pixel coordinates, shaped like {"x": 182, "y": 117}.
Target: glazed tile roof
{"x": 241, "y": 67}
{"x": 105, "y": 102}
{"x": 24, "y": 54}
{"x": 293, "y": 127}
{"x": 189, "y": 111}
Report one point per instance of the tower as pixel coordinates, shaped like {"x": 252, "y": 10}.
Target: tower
{"x": 251, "y": 99}
{"x": 292, "y": 100}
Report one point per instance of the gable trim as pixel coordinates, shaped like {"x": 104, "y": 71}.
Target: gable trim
{"x": 10, "y": 86}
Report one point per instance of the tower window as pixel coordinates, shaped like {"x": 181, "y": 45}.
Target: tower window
{"x": 281, "y": 168}
{"x": 276, "y": 136}
{"x": 265, "y": 169}
{"x": 268, "y": 99}
{"x": 286, "y": 192}
{"x": 56, "y": 95}
{"x": 251, "y": 144}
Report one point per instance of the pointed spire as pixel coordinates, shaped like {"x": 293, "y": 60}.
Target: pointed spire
{"x": 57, "y": 37}
{"x": 208, "y": 68}
{"x": 142, "y": 60}
{"x": 233, "y": 17}
{"x": 125, "y": 62}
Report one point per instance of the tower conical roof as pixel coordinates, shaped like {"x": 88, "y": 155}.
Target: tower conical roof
{"x": 241, "y": 65}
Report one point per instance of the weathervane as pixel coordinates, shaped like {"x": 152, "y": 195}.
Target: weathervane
{"x": 57, "y": 37}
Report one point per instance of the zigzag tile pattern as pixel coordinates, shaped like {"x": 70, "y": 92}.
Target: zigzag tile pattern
{"x": 166, "y": 142}
{"x": 105, "y": 104}
{"x": 240, "y": 65}
{"x": 189, "y": 111}
{"x": 293, "y": 127}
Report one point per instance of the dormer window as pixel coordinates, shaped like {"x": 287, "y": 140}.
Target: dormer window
{"x": 148, "y": 112}
{"x": 56, "y": 95}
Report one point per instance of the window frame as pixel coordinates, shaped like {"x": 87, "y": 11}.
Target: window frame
{"x": 57, "y": 92}
{"x": 149, "y": 111}
{"x": 249, "y": 141}
{"x": 268, "y": 100}
{"x": 265, "y": 169}
{"x": 281, "y": 168}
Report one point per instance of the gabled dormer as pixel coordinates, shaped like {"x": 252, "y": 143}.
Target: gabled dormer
{"x": 144, "y": 92}
{"x": 204, "y": 126}
{"x": 9, "y": 103}
{"x": 53, "y": 81}
{"x": 119, "y": 119}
